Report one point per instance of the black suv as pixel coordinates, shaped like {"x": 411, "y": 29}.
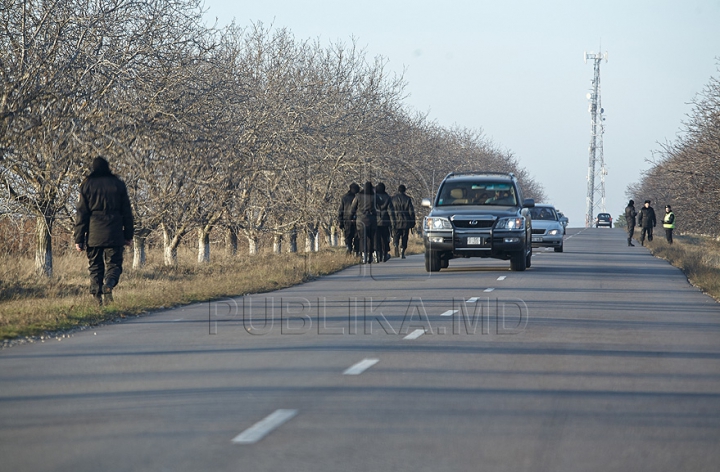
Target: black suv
{"x": 480, "y": 214}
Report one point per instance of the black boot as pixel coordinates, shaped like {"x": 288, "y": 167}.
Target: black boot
{"x": 402, "y": 254}
{"x": 630, "y": 242}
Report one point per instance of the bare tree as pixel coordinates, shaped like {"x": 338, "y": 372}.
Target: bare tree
{"x": 686, "y": 172}
{"x": 62, "y": 64}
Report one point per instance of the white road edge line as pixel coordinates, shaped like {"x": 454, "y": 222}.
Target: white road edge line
{"x": 415, "y": 334}
{"x": 258, "y": 431}
{"x": 488, "y": 289}
{"x": 449, "y": 313}
{"x": 360, "y": 367}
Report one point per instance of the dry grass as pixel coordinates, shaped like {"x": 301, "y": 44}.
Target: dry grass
{"x": 697, "y": 256}
{"x": 30, "y": 306}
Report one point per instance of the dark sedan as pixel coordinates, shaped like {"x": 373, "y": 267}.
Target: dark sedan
{"x": 603, "y": 219}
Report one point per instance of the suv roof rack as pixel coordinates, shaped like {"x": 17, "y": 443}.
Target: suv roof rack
{"x": 459, "y": 174}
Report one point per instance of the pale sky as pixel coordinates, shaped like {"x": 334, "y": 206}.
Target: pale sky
{"x": 515, "y": 69}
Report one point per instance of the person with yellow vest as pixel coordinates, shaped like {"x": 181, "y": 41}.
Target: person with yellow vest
{"x": 669, "y": 223}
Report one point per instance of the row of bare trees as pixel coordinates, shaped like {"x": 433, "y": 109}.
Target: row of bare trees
{"x": 244, "y": 129}
{"x": 685, "y": 173}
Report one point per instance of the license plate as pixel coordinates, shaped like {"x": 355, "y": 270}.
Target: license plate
{"x": 477, "y": 241}
{"x": 536, "y": 239}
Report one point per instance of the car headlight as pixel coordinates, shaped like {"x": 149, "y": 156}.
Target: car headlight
{"x": 510, "y": 223}
{"x": 432, "y": 223}
{"x": 553, "y": 232}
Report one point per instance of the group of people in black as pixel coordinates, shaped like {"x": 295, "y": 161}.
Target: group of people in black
{"x": 370, "y": 218}
{"x": 647, "y": 221}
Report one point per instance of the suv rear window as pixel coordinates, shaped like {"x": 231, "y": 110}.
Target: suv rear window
{"x": 477, "y": 193}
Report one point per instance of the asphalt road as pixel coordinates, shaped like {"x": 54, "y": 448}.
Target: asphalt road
{"x": 600, "y": 358}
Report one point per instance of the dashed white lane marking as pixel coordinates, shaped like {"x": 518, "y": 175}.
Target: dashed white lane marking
{"x": 488, "y": 289}
{"x": 415, "y": 334}
{"x": 258, "y": 431}
{"x": 502, "y": 277}
{"x": 471, "y": 300}
{"x": 179, "y": 319}
{"x": 361, "y": 367}
{"x": 449, "y": 313}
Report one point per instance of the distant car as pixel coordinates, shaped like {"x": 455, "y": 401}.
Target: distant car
{"x": 563, "y": 220}
{"x": 547, "y": 231}
{"x": 603, "y": 219}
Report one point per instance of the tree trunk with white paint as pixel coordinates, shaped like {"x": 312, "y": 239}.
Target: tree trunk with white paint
{"x": 170, "y": 244}
{"x": 277, "y": 243}
{"x": 43, "y": 246}
{"x": 204, "y": 244}
{"x": 252, "y": 244}
{"x": 139, "y": 256}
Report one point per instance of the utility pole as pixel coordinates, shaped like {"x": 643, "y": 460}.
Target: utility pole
{"x": 596, "y": 142}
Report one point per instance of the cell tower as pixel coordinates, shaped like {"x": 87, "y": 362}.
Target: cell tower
{"x": 596, "y": 143}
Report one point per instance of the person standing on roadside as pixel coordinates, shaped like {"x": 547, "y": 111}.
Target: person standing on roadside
{"x": 385, "y": 221}
{"x": 630, "y": 215}
{"x": 347, "y": 225}
{"x": 647, "y": 221}
{"x": 103, "y": 225}
{"x": 669, "y": 223}
{"x": 365, "y": 215}
{"x": 404, "y": 220}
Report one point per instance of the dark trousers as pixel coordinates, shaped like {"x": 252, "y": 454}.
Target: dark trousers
{"x": 382, "y": 239}
{"x": 631, "y": 232}
{"x": 351, "y": 239}
{"x": 401, "y": 237}
{"x": 105, "y": 265}
{"x": 668, "y": 234}
{"x": 648, "y": 231}
{"x": 366, "y": 236}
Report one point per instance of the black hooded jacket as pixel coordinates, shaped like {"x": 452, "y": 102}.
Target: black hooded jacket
{"x": 646, "y": 217}
{"x": 345, "y": 209}
{"x": 363, "y": 207}
{"x": 104, "y": 216}
{"x": 630, "y": 215}
{"x": 404, "y": 211}
{"x": 384, "y": 206}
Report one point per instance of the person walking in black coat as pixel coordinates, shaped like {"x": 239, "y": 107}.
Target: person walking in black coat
{"x": 365, "y": 215}
{"x": 647, "y": 221}
{"x": 347, "y": 225}
{"x": 630, "y": 215}
{"x": 103, "y": 225}
{"x": 404, "y": 220}
{"x": 385, "y": 221}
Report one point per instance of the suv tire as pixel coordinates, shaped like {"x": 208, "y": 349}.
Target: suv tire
{"x": 518, "y": 261}
{"x": 559, "y": 249}
{"x": 432, "y": 261}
